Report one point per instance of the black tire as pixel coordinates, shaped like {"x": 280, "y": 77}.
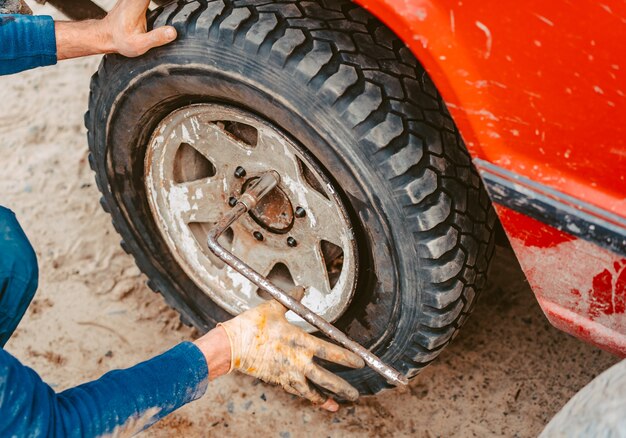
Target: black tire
{"x": 348, "y": 90}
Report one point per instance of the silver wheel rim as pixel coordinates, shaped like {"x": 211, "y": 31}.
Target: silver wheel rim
{"x": 193, "y": 169}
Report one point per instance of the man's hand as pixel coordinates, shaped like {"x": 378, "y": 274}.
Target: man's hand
{"x": 126, "y": 27}
{"x": 264, "y": 345}
{"x": 123, "y": 31}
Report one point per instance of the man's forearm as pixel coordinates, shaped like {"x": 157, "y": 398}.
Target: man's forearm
{"x": 82, "y": 38}
{"x": 216, "y": 350}
{"x": 120, "y": 402}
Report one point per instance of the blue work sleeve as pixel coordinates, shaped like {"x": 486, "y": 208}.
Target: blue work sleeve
{"x": 26, "y": 42}
{"x": 121, "y": 401}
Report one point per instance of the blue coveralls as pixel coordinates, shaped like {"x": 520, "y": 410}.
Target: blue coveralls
{"x": 28, "y": 406}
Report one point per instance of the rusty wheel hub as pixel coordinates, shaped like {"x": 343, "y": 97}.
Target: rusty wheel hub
{"x": 274, "y": 212}
{"x": 198, "y": 163}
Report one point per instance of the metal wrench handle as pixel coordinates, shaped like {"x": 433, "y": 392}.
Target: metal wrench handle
{"x": 248, "y": 201}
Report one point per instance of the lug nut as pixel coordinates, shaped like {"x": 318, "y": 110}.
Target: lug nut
{"x": 258, "y": 236}
{"x": 292, "y": 242}
{"x": 240, "y": 172}
{"x": 232, "y": 201}
{"x": 300, "y": 212}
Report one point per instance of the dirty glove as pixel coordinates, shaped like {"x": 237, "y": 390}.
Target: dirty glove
{"x": 265, "y": 345}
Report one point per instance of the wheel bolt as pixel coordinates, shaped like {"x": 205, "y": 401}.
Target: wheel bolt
{"x": 292, "y": 242}
{"x": 240, "y": 172}
{"x": 300, "y": 212}
{"x": 232, "y": 201}
{"x": 258, "y": 236}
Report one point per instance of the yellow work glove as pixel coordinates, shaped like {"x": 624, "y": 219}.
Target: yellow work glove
{"x": 265, "y": 345}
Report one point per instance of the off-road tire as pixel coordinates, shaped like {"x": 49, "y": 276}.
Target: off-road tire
{"x": 346, "y": 88}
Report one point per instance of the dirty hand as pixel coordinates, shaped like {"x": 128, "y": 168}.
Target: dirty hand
{"x": 266, "y": 346}
{"x": 123, "y": 31}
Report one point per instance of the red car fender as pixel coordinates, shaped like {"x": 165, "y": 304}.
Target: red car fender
{"x": 538, "y": 92}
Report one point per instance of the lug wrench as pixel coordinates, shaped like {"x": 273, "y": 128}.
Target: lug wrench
{"x": 257, "y": 190}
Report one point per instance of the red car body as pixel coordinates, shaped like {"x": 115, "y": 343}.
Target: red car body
{"x": 538, "y": 92}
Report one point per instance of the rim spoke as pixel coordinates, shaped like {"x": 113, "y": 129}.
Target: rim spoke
{"x": 261, "y": 258}
{"x": 276, "y": 153}
{"x": 196, "y": 201}
{"x": 323, "y": 218}
{"x": 213, "y": 142}
{"x": 308, "y": 269}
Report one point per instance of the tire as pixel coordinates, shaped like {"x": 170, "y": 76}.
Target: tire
{"x": 350, "y": 92}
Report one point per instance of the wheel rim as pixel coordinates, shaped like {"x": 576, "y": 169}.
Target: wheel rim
{"x": 199, "y": 160}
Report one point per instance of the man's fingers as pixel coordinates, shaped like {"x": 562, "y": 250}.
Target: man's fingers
{"x": 161, "y": 35}
{"x": 334, "y": 353}
{"x": 330, "y": 405}
{"x": 332, "y": 382}
{"x": 309, "y": 393}
{"x": 155, "y": 38}
{"x": 297, "y": 293}
{"x": 291, "y": 391}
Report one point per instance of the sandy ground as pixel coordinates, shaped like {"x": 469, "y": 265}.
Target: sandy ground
{"x": 506, "y": 374}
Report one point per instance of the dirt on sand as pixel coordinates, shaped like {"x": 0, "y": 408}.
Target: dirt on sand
{"x": 506, "y": 374}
